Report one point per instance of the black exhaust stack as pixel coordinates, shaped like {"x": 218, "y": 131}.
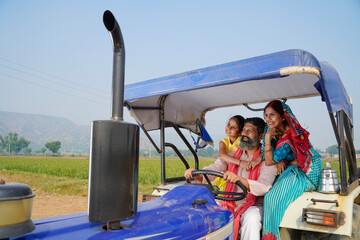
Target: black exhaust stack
{"x": 118, "y": 65}
{"x": 114, "y": 157}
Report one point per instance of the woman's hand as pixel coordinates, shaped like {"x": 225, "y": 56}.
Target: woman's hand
{"x": 280, "y": 167}
{"x": 272, "y": 132}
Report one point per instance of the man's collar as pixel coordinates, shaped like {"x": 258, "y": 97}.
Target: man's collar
{"x": 252, "y": 151}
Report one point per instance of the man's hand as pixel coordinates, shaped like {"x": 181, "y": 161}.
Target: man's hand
{"x": 188, "y": 175}
{"x": 231, "y": 177}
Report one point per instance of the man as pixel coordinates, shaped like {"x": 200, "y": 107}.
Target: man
{"x": 258, "y": 181}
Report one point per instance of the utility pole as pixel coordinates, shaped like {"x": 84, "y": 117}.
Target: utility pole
{"x": 149, "y": 150}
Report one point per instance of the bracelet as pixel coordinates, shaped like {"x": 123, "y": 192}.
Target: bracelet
{"x": 267, "y": 150}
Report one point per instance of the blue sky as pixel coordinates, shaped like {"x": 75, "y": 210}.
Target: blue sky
{"x": 56, "y": 56}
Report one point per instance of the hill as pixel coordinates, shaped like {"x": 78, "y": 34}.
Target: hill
{"x": 40, "y": 129}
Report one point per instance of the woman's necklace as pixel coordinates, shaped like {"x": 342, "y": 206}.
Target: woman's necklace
{"x": 281, "y": 133}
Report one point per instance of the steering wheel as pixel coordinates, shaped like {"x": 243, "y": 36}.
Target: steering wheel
{"x": 236, "y": 195}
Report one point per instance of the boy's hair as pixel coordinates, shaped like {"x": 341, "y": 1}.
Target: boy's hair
{"x": 259, "y": 123}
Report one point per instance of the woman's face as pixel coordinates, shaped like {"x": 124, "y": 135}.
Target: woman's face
{"x": 232, "y": 129}
{"x": 273, "y": 118}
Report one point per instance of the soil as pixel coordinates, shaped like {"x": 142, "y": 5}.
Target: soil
{"x": 50, "y": 205}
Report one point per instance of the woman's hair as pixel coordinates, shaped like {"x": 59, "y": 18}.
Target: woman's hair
{"x": 240, "y": 120}
{"x": 278, "y": 107}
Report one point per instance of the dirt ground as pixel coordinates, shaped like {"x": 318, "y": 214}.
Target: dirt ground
{"x": 46, "y": 205}
{"x": 50, "y": 205}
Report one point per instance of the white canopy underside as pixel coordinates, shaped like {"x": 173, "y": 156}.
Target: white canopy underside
{"x": 184, "y": 108}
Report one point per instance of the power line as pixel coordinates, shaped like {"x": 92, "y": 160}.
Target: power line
{"x": 48, "y": 80}
{"x": 51, "y": 75}
{"x": 48, "y": 74}
{"x": 55, "y": 90}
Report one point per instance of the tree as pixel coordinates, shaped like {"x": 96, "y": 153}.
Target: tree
{"x": 13, "y": 144}
{"x": 43, "y": 150}
{"x": 53, "y": 146}
{"x": 332, "y": 150}
{"x": 319, "y": 150}
{"x": 2, "y": 143}
{"x": 27, "y": 151}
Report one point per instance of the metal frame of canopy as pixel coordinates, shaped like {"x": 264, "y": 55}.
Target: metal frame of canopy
{"x": 178, "y": 101}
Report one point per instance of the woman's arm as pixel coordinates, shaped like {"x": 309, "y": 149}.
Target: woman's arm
{"x": 268, "y": 152}
{"x": 256, "y": 161}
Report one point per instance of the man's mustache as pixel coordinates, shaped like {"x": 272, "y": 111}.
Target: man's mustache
{"x": 245, "y": 138}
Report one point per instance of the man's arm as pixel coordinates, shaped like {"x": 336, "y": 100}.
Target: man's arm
{"x": 218, "y": 165}
{"x": 265, "y": 181}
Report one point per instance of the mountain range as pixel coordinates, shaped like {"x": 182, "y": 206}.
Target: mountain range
{"x": 40, "y": 129}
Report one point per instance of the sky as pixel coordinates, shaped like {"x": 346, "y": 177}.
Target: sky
{"x": 56, "y": 56}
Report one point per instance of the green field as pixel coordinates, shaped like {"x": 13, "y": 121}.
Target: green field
{"x": 69, "y": 176}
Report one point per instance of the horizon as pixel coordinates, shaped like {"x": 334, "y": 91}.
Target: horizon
{"x": 143, "y": 145}
{"x": 56, "y": 56}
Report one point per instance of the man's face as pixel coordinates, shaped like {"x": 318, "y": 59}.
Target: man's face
{"x": 249, "y": 137}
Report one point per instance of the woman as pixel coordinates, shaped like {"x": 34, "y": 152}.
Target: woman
{"x": 287, "y": 145}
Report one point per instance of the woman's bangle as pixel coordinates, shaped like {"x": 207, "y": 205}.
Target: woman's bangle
{"x": 267, "y": 150}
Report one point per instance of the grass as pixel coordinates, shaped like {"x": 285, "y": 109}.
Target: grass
{"x": 69, "y": 176}
{"x": 43, "y": 183}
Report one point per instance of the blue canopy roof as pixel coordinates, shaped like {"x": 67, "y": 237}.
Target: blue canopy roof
{"x": 286, "y": 74}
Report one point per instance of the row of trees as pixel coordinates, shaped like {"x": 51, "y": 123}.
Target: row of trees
{"x": 334, "y": 150}
{"x": 211, "y": 152}
{"x": 204, "y": 152}
{"x": 14, "y": 144}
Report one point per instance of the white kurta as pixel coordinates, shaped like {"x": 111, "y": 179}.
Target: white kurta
{"x": 251, "y": 219}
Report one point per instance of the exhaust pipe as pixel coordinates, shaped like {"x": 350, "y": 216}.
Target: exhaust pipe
{"x": 114, "y": 150}
{"x": 118, "y": 65}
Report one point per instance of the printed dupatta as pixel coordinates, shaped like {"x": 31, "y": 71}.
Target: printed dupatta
{"x": 230, "y": 187}
{"x": 298, "y": 139}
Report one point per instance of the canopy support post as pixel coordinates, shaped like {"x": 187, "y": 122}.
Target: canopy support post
{"x": 350, "y": 150}
{"x": 162, "y": 137}
{"x": 186, "y": 143}
{"x": 342, "y": 152}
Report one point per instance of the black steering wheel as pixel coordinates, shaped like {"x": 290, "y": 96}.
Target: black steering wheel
{"x": 236, "y": 195}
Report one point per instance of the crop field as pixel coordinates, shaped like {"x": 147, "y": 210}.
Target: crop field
{"x": 70, "y": 176}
